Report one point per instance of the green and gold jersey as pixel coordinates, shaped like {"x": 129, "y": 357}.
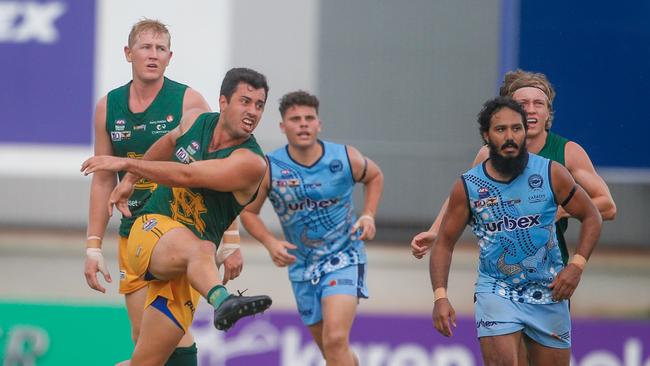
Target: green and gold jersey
{"x": 554, "y": 150}
{"x": 133, "y": 133}
{"x": 206, "y": 212}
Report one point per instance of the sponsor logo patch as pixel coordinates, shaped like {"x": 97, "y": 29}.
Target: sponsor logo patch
{"x": 140, "y": 127}
{"x": 486, "y": 202}
{"x": 169, "y": 118}
{"x": 485, "y": 323}
{"x": 150, "y": 224}
{"x": 182, "y": 155}
{"x": 508, "y": 224}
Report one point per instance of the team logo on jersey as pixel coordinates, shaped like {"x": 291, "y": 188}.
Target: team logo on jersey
{"x": 169, "y": 118}
{"x": 486, "y": 202}
{"x": 193, "y": 147}
{"x": 120, "y": 122}
{"x": 336, "y": 166}
{"x": 187, "y": 208}
{"x": 535, "y": 181}
{"x": 285, "y": 172}
{"x": 508, "y": 224}
{"x": 183, "y": 156}
{"x": 483, "y": 192}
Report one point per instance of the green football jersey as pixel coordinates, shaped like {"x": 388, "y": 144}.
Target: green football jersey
{"x": 206, "y": 212}
{"x": 132, "y": 134}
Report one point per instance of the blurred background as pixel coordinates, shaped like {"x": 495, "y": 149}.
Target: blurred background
{"x": 401, "y": 81}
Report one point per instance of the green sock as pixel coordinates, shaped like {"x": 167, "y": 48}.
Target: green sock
{"x": 217, "y": 295}
{"x": 183, "y": 356}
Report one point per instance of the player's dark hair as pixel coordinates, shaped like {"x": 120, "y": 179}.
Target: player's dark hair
{"x": 300, "y": 98}
{"x": 238, "y": 75}
{"x": 492, "y": 106}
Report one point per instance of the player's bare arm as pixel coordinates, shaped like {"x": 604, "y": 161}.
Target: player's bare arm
{"x": 193, "y": 100}
{"x": 100, "y": 189}
{"x": 583, "y": 171}
{"x": 453, "y": 224}
{"x": 421, "y": 242}
{"x": 255, "y": 226}
{"x": 367, "y": 172}
{"x": 576, "y": 202}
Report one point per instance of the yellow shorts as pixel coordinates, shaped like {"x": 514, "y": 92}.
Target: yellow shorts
{"x": 129, "y": 281}
{"x": 179, "y": 299}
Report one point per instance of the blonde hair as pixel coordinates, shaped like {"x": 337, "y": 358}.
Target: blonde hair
{"x": 515, "y": 80}
{"x": 152, "y": 25}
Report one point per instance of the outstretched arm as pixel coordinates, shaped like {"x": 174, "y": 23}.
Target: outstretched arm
{"x": 250, "y": 218}
{"x": 100, "y": 189}
{"x": 421, "y": 243}
{"x": 367, "y": 172}
{"x": 584, "y": 173}
{"x": 577, "y": 203}
{"x": 453, "y": 224}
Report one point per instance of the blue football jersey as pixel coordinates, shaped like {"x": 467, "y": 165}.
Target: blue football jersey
{"x": 514, "y": 221}
{"x": 315, "y": 207}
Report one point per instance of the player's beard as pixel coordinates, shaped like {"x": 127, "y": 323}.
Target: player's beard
{"x": 509, "y": 166}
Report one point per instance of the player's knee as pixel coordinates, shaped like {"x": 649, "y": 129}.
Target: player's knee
{"x": 335, "y": 341}
{"x": 499, "y": 359}
{"x": 205, "y": 249}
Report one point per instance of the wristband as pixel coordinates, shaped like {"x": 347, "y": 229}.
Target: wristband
{"x": 231, "y": 232}
{"x": 94, "y": 237}
{"x": 366, "y": 217}
{"x": 439, "y": 293}
{"x": 579, "y": 261}
{"x": 224, "y": 251}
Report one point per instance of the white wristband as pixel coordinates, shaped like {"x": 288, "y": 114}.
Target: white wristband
{"x": 96, "y": 254}
{"x": 366, "y": 217}
{"x": 231, "y": 232}
{"x": 224, "y": 251}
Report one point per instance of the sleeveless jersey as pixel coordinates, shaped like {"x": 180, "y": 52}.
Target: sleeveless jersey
{"x": 514, "y": 222}
{"x": 315, "y": 207}
{"x": 554, "y": 149}
{"x": 133, "y": 133}
{"x": 206, "y": 212}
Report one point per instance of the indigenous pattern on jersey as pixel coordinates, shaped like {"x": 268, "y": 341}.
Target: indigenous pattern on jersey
{"x": 132, "y": 134}
{"x": 206, "y": 212}
{"x": 514, "y": 222}
{"x": 315, "y": 207}
{"x": 554, "y": 149}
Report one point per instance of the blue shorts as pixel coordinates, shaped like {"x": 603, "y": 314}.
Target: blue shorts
{"x": 350, "y": 280}
{"x": 548, "y": 325}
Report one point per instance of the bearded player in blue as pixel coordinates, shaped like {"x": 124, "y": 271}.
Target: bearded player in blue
{"x": 510, "y": 201}
{"x": 310, "y": 184}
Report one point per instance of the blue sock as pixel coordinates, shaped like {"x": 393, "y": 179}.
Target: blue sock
{"x": 217, "y": 295}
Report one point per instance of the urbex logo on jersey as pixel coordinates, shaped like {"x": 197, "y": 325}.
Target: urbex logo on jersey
{"x": 509, "y": 224}
{"x": 22, "y": 22}
{"x": 310, "y": 204}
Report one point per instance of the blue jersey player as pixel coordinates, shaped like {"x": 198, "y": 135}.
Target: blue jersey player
{"x": 310, "y": 185}
{"x": 510, "y": 201}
